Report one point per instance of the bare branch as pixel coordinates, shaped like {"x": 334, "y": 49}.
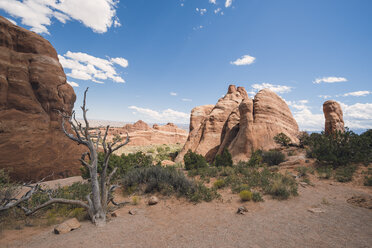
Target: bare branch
{"x": 58, "y": 200}
{"x": 121, "y": 145}
{"x": 85, "y": 114}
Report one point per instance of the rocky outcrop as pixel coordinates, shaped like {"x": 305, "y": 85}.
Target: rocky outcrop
{"x": 141, "y": 134}
{"x": 261, "y": 120}
{"x": 137, "y": 126}
{"x": 241, "y": 125}
{"x": 334, "y": 120}
{"x": 32, "y": 87}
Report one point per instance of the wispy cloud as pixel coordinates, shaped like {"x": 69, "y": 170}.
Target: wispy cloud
{"x": 168, "y": 115}
{"x": 213, "y": 1}
{"x": 73, "y": 84}
{"x": 358, "y": 93}
{"x": 87, "y": 67}
{"x": 99, "y": 15}
{"x": 358, "y": 115}
{"x": 228, "y": 3}
{"x": 186, "y": 100}
{"x": 329, "y": 80}
{"x": 276, "y": 88}
{"x": 173, "y": 93}
{"x": 325, "y": 96}
{"x": 244, "y": 60}
{"x": 201, "y": 11}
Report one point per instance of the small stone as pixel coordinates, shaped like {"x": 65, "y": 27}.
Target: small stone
{"x": 316, "y": 210}
{"x": 242, "y": 210}
{"x": 67, "y": 226}
{"x": 132, "y": 211}
{"x": 153, "y": 200}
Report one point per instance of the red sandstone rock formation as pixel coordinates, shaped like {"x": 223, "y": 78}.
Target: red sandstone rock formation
{"x": 32, "y": 86}
{"x": 141, "y": 134}
{"x": 334, "y": 120}
{"x": 240, "y": 125}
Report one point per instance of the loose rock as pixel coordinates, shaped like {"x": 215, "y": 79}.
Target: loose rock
{"x": 242, "y": 210}
{"x": 153, "y": 200}
{"x": 67, "y": 226}
{"x": 316, "y": 210}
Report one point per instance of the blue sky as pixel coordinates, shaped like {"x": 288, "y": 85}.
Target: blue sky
{"x": 174, "y": 55}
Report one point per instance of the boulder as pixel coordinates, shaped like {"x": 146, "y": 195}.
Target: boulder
{"x": 67, "y": 226}
{"x": 32, "y": 87}
{"x": 153, "y": 200}
{"x": 334, "y": 120}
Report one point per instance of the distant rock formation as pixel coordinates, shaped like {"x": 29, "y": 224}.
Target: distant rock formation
{"x": 334, "y": 120}
{"x": 32, "y": 86}
{"x": 141, "y": 134}
{"x": 239, "y": 124}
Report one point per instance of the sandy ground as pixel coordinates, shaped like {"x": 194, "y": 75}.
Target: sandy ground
{"x": 178, "y": 223}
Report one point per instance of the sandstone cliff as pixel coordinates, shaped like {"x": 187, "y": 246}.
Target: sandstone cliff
{"x": 32, "y": 86}
{"x": 240, "y": 125}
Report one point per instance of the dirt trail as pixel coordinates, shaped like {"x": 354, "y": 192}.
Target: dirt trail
{"x": 177, "y": 223}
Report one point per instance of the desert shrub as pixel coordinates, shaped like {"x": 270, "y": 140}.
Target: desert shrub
{"x": 282, "y": 187}
{"x": 194, "y": 161}
{"x": 256, "y": 197}
{"x": 344, "y": 173}
{"x": 341, "y": 148}
{"x": 302, "y": 170}
{"x": 256, "y": 159}
{"x": 135, "y": 200}
{"x": 368, "y": 181}
{"x": 273, "y": 157}
{"x": 223, "y": 159}
{"x": 226, "y": 171}
{"x": 324, "y": 172}
{"x": 123, "y": 162}
{"x": 219, "y": 184}
{"x": 245, "y": 195}
{"x": 204, "y": 172}
{"x": 282, "y": 139}
{"x": 290, "y": 153}
{"x": 303, "y": 138}
{"x": 7, "y": 188}
{"x": 237, "y": 187}
{"x": 202, "y": 193}
{"x": 157, "y": 178}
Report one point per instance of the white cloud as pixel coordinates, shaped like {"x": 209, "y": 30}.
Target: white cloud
{"x": 325, "y": 96}
{"x": 120, "y": 61}
{"x": 216, "y": 11}
{"x": 198, "y": 27}
{"x": 73, "y": 84}
{"x": 186, "y": 100}
{"x": 99, "y": 15}
{"x": 87, "y": 67}
{"x": 358, "y": 93}
{"x": 173, "y": 93}
{"x": 168, "y": 115}
{"x": 201, "y": 11}
{"x": 244, "y": 60}
{"x": 329, "y": 80}
{"x": 358, "y": 115}
{"x": 12, "y": 21}
{"x": 276, "y": 88}
{"x": 228, "y": 3}
{"x": 213, "y": 1}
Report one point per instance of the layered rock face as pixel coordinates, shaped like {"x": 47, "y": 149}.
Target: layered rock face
{"x": 333, "y": 115}
{"x": 32, "y": 86}
{"x": 141, "y": 134}
{"x": 241, "y": 125}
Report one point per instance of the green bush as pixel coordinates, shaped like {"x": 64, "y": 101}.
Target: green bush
{"x": 344, "y": 173}
{"x": 324, "y": 172}
{"x": 245, "y": 195}
{"x": 303, "y": 139}
{"x": 256, "y": 197}
{"x": 223, "y": 159}
{"x": 219, "y": 184}
{"x": 256, "y": 159}
{"x": 341, "y": 148}
{"x": 282, "y": 139}
{"x": 273, "y": 157}
{"x": 123, "y": 162}
{"x": 194, "y": 161}
{"x": 282, "y": 187}
{"x": 368, "y": 181}
{"x": 202, "y": 193}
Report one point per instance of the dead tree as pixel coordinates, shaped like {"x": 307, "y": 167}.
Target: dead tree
{"x": 101, "y": 188}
